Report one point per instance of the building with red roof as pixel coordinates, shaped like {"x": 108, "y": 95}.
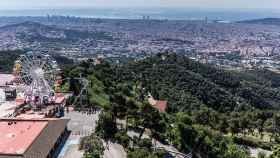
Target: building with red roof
{"x": 31, "y": 138}
{"x": 161, "y": 105}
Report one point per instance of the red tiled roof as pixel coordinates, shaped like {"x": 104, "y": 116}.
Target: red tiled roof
{"x": 161, "y": 105}
{"x": 18, "y": 136}
{"x": 59, "y": 100}
{"x": 29, "y": 137}
{"x": 19, "y": 101}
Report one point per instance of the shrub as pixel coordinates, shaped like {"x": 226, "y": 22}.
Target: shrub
{"x": 122, "y": 138}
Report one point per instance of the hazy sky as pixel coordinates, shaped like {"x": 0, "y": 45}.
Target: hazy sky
{"x": 28, "y": 4}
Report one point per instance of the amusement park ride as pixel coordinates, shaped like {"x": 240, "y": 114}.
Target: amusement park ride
{"x": 34, "y": 89}
{"x": 41, "y": 76}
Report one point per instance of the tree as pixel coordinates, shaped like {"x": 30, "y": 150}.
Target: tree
{"x": 118, "y": 106}
{"x": 132, "y": 109}
{"x": 75, "y": 85}
{"x": 144, "y": 153}
{"x": 93, "y": 146}
{"x": 243, "y": 124}
{"x": 106, "y": 126}
{"x": 181, "y": 133}
{"x": 260, "y": 127}
{"x": 202, "y": 116}
{"x": 235, "y": 152}
{"x": 187, "y": 134}
{"x": 223, "y": 125}
{"x": 269, "y": 128}
{"x": 261, "y": 155}
{"x": 7, "y": 59}
{"x": 276, "y": 125}
{"x": 122, "y": 138}
{"x": 150, "y": 118}
{"x": 276, "y": 152}
{"x": 234, "y": 126}
{"x": 138, "y": 153}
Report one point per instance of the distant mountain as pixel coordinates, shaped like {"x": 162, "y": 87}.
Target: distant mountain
{"x": 27, "y": 24}
{"x": 265, "y": 21}
{"x": 31, "y": 31}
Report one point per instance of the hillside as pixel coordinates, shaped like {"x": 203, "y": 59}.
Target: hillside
{"x": 187, "y": 84}
{"x": 207, "y": 107}
{"x": 265, "y": 21}
{"x": 32, "y": 31}
{"x": 7, "y": 59}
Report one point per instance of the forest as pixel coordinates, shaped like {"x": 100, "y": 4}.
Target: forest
{"x": 212, "y": 113}
{"x": 7, "y": 59}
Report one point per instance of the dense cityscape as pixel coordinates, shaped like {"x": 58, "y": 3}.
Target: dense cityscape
{"x": 254, "y": 45}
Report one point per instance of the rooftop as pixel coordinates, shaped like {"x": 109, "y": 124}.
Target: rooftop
{"x": 7, "y": 108}
{"x": 17, "y": 135}
{"x": 161, "y": 105}
{"x": 59, "y": 98}
{"x": 6, "y": 78}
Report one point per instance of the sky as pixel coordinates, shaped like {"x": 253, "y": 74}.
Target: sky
{"x": 227, "y": 4}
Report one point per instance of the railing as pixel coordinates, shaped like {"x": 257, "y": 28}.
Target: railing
{"x": 175, "y": 152}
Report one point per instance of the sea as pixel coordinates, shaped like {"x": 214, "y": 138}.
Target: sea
{"x": 151, "y": 13}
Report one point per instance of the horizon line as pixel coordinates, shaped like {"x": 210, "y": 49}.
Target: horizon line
{"x": 139, "y": 7}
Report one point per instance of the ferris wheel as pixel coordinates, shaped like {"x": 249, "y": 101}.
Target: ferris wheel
{"x": 39, "y": 72}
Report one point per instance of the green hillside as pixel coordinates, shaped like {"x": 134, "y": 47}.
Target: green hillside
{"x": 7, "y": 59}
{"x": 209, "y": 112}
{"x": 186, "y": 84}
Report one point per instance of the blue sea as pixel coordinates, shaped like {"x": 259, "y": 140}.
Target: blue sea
{"x": 153, "y": 13}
